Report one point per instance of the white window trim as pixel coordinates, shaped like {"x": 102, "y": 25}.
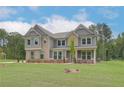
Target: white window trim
{"x": 91, "y": 40}
{"x": 27, "y": 42}
{"x": 86, "y": 40}
{"x": 85, "y": 55}
{"x": 61, "y": 42}
{"x": 34, "y": 41}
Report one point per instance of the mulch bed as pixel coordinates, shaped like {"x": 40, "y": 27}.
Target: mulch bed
{"x": 73, "y": 71}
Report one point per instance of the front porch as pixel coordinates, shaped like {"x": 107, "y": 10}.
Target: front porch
{"x": 81, "y": 56}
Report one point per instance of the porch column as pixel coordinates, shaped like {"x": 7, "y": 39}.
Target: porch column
{"x": 65, "y": 54}
{"x": 76, "y": 54}
{"x": 94, "y": 59}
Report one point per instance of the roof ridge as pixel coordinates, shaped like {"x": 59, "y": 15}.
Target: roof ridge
{"x": 81, "y": 25}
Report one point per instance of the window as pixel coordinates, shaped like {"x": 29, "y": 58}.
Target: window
{"x": 41, "y": 55}
{"x": 83, "y": 41}
{"x": 83, "y": 55}
{"x": 60, "y": 55}
{"x": 28, "y": 42}
{"x": 88, "y": 55}
{"x": 59, "y": 43}
{"x": 36, "y": 41}
{"x": 44, "y": 41}
{"x": 55, "y": 55}
{"x": 88, "y": 40}
{"x": 63, "y": 42}
{"x": 32, "y": 55}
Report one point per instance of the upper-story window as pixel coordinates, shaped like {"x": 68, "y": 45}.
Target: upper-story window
{"x": 28, "y": 42}
{"x": 45, "y": 41}
{"x": 61, "y": 43}
{"x": 36, "y": 41}
{"x": 88, "y": 40}
{"x": 83, "y": 41}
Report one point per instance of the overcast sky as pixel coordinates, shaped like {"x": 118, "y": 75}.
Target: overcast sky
{"x": 60, "y": 19}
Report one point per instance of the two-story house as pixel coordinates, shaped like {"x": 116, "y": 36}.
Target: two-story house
{"x": 40, "y": 44}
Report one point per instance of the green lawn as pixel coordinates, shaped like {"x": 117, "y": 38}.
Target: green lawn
{"x": 100, "y": 74}
{"x": 7, "y": 61}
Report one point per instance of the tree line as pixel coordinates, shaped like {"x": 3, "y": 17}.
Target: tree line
{"x": 108, "y": 48}
{"x": 11, "y": 45}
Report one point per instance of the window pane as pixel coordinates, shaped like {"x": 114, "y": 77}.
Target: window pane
{"x": 36, "y": 41}
{"x": 59, "y": 55}
{"x": 88, "y": 55}
{"x": 83, "y": 55}
{"x": 55, "y": 55}
{"x": 63, "y": 42}
{"x": 88, "y": 40}
{"x": 41, "y": 55}
{"x": 28, "y": 41}
{"x": 59, "y": 43}
{"x": 83, "y": 41}
{"x": 32, "y": 55}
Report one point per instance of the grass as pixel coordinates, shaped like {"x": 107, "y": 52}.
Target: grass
{"x": 7, "y": 60}
{"x": 106, "y": 74}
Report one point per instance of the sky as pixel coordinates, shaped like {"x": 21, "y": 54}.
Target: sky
{"x": 60, "y": 18}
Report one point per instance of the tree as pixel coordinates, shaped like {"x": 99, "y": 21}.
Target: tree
{"x": 72, "y": 51}
{"x": 3, "y": 36}
{"x": 15, "y": 47}
{"x": 103, "y": 40}
{"x": 119, "y": 46}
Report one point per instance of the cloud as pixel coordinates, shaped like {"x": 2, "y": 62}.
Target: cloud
{"x": 15, "y": 26}
{"x": 34, "y": 8}
{"x": 109, "y": 13}
{"x": 6, "y": 12}
{"x": 54, "y": 23}
{"x": 57, "y": 23}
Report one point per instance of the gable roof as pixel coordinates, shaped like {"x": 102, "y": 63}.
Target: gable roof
{"x": 82, "y": 30}
{"x": 61, "y": 35}
{"x": 40, "y": 29}
{"x": 79, "y": 30}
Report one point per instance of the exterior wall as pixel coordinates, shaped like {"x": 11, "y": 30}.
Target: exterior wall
{"x": 36, "y": 54}
{"x": 51, "y": 42}
{"x": 28, "y": 55}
